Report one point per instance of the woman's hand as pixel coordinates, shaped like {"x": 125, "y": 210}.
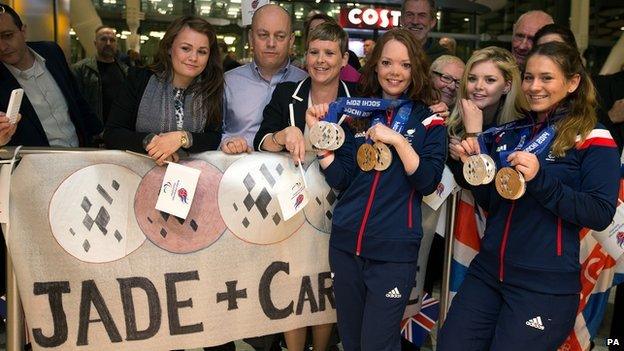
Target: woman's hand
{"x": 293, "y": 142}
{"x": 235, "y": 145}
{"x": 381, "y": 132}
{"x": 440, "y": 109}
{"x": 472, "y": 116}
{"x": 164, "y": 145}
{"x": 462, "y": 149}
{"x": 7, "y": 129}
{"x": 456, "y": 150}
{"x": 315, "y": 113}
{"x": 525, "y": 163}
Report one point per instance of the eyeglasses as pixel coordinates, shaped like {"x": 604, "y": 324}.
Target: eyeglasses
{"x": 446, "y": 78}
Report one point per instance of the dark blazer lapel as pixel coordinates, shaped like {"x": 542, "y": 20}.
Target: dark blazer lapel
{"x": 7, "y": 84}
{"x": 300, "y": 103}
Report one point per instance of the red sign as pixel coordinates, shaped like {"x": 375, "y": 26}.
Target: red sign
{"x": 369, "y": 18}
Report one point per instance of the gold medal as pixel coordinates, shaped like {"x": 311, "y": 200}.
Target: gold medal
{"x": 367, "y": 157}
{"x": 510, "y": 183}
{"x": 384, "y": 156}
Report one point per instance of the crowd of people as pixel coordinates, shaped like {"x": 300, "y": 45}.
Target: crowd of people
{"x": 534, "y": 111}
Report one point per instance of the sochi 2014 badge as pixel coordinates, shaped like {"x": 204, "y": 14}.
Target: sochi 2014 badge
{"x": 176, "y": 192}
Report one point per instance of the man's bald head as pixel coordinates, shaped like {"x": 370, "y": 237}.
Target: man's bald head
{"x": 271, "y": 11}
{"x": 271, "y": 38}
{"x": 523, "y": 32}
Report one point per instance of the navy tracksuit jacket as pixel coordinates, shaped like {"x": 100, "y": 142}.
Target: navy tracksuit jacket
{"x": 376, "y": 232}
{"x": 531, "y": 247}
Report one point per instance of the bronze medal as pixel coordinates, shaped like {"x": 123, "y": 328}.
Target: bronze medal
{"x": 474, "y": 170}
{"x": 510, "y": 183}
{"x": 367, "y": 157}
{"x": 384, "y": 156}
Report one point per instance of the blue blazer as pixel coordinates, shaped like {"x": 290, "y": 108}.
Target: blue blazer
{"x": 29, "y": 130}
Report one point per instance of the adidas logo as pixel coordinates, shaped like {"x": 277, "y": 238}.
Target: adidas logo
{"x": 535, "y": 323}
{"x": 394, "y": 293}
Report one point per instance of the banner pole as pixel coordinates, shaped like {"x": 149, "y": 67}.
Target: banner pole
{"x": 15, "y": 320}
{"x": 448, "y": 256}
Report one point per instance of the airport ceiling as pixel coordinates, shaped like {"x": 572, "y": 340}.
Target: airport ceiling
{"x": 457, "y": 16}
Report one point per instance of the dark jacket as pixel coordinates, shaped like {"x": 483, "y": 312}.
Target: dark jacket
{"x": 378, "y": 214}
{"x": 433, "y": 50}
{"x": 29, "y": 130}
{"x": 533, "y": 242}
{"x": 610, "y": 88}
{"x": 90, "y": 82}
{"x": 276, "y": 115}
{"x": 120, "y": 132}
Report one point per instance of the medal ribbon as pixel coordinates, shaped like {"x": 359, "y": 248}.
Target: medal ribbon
{"x": 540, "y": 143}
{"x": 360, "y": 107}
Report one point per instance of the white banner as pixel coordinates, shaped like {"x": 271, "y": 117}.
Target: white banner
{"x": 99, "y": 268}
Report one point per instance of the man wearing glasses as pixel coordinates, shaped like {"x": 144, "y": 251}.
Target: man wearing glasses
{"x": 446, "y": 72}
{"x": 523, "y": 32}
{"x": 419, "y": 16}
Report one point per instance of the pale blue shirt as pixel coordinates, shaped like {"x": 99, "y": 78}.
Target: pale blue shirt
{"x": 48, "y": 100}
{"x": 245, "y": 96}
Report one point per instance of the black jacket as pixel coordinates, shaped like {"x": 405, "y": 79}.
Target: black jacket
{"x": 120, "y": 132}
{"x": 29, "y": 130}
{"x": 276, "y": 115}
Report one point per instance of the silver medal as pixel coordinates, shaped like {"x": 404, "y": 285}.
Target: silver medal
{"x": 475, "y": 170}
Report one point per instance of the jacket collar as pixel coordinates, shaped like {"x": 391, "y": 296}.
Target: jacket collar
{"x": 303, "y": 90}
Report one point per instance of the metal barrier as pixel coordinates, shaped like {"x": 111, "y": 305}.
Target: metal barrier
{"x": 15, "y": 332}
{"x": 449, "y": 236}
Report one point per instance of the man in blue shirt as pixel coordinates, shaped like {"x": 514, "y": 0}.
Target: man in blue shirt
{"x": 249, "y": 88}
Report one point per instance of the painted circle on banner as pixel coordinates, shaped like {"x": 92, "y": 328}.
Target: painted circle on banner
{"x": 248, "y": 199}
{"x": 203, "y": 225}
{"x": 320, "y": 209}
{"x": 90, "y": 214}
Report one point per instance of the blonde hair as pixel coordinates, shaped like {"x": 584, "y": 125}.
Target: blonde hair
{"x": 514, "y": 103}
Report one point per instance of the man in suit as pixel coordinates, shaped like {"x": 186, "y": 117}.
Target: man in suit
{"x": 53, "y": 112}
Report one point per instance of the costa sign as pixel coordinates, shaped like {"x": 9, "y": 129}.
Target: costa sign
{"x": 369, "y": 18}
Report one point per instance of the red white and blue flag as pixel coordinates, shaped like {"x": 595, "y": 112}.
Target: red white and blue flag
{"x": 416, "y": 328}
{"x": 599, "y": 271}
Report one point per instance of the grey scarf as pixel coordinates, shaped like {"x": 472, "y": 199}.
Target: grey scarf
{"x": 157, "y": 113}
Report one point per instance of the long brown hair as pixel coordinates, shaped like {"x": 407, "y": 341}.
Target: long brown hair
{"x": 420, "y": 87}
{"x": 208, "y": 86}
{"x": 581, "y": 103}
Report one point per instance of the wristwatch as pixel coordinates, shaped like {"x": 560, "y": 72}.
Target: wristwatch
{"x": 183, "y": 140}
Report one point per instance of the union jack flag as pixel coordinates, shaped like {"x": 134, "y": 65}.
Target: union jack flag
{"x": 416, "y": 328}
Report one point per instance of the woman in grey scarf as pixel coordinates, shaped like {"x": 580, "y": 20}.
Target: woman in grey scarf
{"x": 175, "y": 104}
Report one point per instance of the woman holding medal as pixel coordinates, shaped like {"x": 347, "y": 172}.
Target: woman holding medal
{"x": 283, "y": 125}
{"x": 489, "y": 87}
{"x": 558, "y": 172}
{"x": 376, "y": 227}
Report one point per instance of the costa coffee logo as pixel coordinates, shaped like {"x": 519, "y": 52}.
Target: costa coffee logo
{"x": 369, "y": 18}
